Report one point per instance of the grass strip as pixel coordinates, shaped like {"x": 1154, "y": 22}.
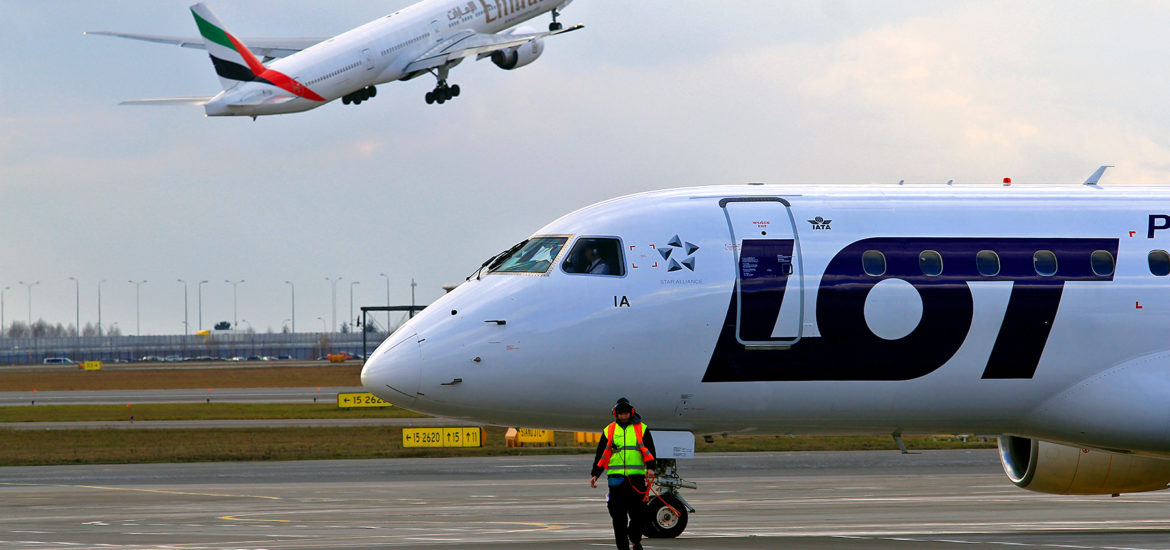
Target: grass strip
{"x": 183, "y": 378}
{"x": 51, "y": 447}
{"x": 194, "y": 411}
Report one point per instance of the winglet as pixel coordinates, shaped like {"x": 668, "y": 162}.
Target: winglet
{"x": 233, "y": 61}
{"x": 1096, "y": 177}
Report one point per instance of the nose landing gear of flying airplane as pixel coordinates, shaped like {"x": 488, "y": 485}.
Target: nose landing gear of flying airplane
{"x": 667, "y": 516}
{"x": 357, "y": 97}
{"x": 554, "y": 26}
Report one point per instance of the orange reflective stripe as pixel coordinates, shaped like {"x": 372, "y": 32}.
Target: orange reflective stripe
{"x": 604, "y": 462}
{"x": 646, "y": 456}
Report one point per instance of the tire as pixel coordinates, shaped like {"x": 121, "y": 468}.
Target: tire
{"x": 345, "y": 100}
{"x": 661, "y": 523}
{"x": 441, "y": 99}
{"x": 430, "y": 98}
{"x": 455, "y": 91}
{"x": 364, "y": 94}
{"x": 373, "y": 91}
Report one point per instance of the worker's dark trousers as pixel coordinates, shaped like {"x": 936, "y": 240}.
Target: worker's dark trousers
{"x": 625, "y": 505}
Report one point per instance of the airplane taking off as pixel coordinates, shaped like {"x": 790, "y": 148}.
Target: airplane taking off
{"x": 431, "y": 36}
{"x": 1040, "y": 314}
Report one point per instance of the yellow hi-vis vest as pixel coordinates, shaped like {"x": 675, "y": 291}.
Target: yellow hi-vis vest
{"x": 626, "y": 454}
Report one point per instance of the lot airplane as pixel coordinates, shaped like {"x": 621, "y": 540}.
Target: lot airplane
{"x": 1039, "y": 314}
{"x": 431, "y": 36}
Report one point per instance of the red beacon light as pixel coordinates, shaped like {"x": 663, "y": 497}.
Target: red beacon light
{"x": 1007, "y": 182}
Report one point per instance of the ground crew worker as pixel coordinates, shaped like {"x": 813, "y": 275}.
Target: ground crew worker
{"x": 626, "y": 455}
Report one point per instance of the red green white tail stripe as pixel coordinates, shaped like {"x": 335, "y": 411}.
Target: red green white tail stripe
{"x": 235, "y": 63}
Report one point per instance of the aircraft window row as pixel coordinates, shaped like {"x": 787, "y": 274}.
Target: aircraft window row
{"x": 334, "y": 73}
{"x": 534, "y": 255}
{"x": 1159, "y": 263}
{"x": 930, "y": 262}
{"x": 414, "y": 40}
{"x": 595, "y": 256}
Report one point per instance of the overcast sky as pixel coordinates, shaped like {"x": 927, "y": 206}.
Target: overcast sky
{"x": 652, "y": 94}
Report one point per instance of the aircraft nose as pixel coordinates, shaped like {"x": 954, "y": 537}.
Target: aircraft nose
{"x": 392, "y": 371}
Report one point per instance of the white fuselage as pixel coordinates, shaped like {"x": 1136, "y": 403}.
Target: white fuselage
{"x": 1066, "y": 339}
{"x": 377, "y": 52}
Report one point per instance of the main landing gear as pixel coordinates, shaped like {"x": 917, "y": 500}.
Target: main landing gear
{"x": 442, "y": 93}
{"x": 554, "y": 26}
{"x": 359, "y": 96}
{"x": 666, "y": 517}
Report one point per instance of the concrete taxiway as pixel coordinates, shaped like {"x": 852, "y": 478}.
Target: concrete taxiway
{"x": 933, "y": 500}
{"x": 214, "y": 395}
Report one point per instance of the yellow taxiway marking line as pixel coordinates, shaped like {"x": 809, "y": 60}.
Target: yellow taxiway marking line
{"x": 236, "y": 518}
{"x": 169, "y": 492}
{"x": 542, "y": 526}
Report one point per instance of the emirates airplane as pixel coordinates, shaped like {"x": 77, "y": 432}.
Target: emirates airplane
{"x": 1040, "y": 314}
{"x": 431, "y": 36}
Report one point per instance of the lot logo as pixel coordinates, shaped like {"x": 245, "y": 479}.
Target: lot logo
{"x": 820, "y": 224}
{"x": 687, "y": 252}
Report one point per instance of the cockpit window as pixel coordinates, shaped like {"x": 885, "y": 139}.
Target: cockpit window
{"x": 596, "y": 256}
{"x": 534, "y": 255}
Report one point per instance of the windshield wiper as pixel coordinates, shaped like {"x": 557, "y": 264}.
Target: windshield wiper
{"x": 492, "y": 261}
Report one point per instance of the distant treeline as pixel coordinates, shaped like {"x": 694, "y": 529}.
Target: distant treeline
{"x": 43, "y": 329}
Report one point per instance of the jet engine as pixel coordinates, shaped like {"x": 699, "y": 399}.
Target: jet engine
{"x": 1053, "y": 468}
{"x": 519, "y": 56}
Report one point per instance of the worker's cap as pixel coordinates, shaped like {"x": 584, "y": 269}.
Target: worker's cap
{"x": 623, "y": 406}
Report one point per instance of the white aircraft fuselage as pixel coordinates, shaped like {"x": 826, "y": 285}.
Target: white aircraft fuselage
{"x": 1033, "y": 311}
{"x": 377, "y": 52}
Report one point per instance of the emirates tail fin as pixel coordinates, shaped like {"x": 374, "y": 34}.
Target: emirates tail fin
{"x": 233, "y": 61}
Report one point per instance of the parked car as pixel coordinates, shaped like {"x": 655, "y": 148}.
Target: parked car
{"x": 58, "y": 361}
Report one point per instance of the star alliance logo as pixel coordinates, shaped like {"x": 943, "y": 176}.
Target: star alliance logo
{"x": 819, "y": 223}
{"x": 687, "y": 249}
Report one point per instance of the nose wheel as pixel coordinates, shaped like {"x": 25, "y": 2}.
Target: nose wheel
{"x": 442, "y": 93}
{"x": 555, "y": 25}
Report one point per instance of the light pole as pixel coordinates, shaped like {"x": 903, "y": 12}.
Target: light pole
{"x": 387, "y": 299}
{"x": 186, "y": 328}
{"x": 351, "y": 319}
{"x": 234, "y": 316}
{"x": 30, "y": 285}
{"x": 100, "y": 307}
{"x": 2, "y": 291}
{"x": 77, "y": 307}
{"x": 412, "y": 285}
{"x": 199, "y": 287}
{"x": 293, "y": 293}
{"x": 333, "y": 319}
{"x": 137, "y": 309}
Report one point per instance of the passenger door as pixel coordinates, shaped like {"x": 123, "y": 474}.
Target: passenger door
{"x": 769, "y": 284}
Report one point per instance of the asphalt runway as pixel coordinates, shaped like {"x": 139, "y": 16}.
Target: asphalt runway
{"x": 868, "y": 500}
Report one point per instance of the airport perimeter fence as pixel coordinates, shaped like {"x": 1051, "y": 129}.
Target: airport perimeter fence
{"x": 224, "y": 346}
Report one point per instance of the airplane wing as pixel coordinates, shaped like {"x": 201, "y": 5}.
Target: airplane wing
{"x": 266, "y": 47}
{"x": 469, "y": 43}
{"x": 168, "y": 101}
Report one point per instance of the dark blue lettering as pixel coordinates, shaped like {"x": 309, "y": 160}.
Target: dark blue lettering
{"x": 848, "y": 350}
{"x": 1158, "y": 222}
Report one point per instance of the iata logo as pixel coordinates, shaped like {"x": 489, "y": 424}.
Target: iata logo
{"x": 820, "y": 224}
{"x": 678, "y": 262}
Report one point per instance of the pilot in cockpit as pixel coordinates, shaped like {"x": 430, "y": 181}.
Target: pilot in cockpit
{"x": 594, "y": 263}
